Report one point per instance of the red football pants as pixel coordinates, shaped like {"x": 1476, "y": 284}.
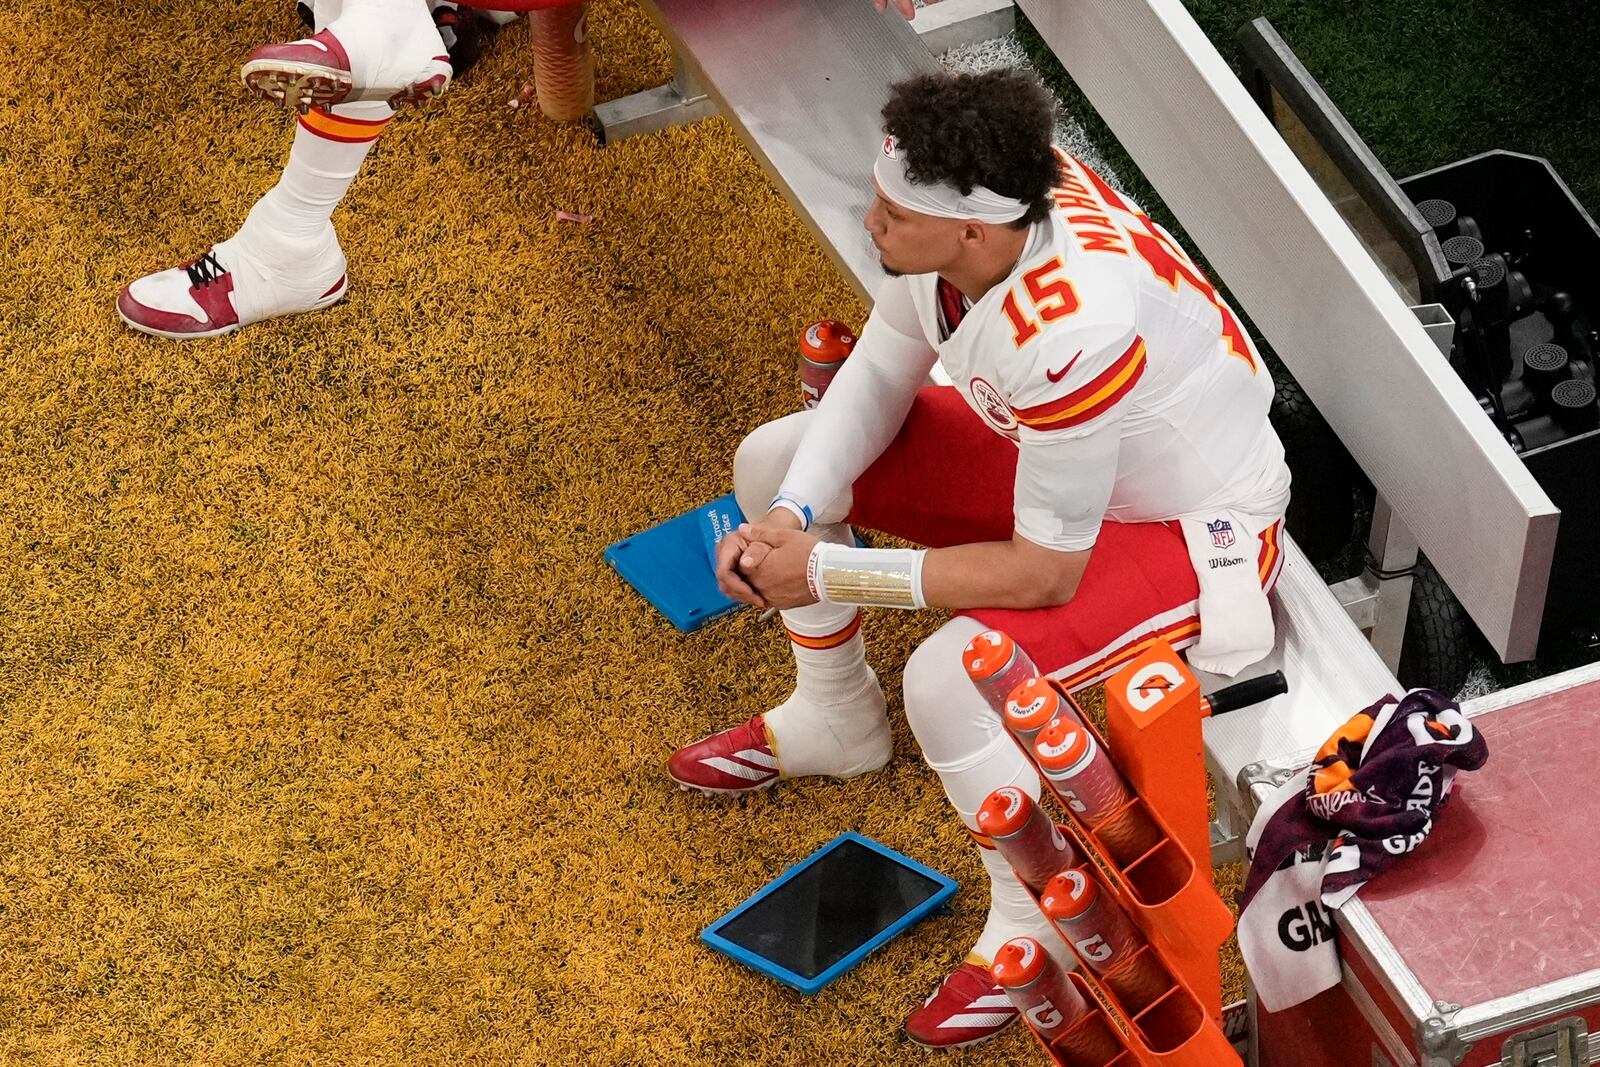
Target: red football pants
{"x": 946, "y": 479}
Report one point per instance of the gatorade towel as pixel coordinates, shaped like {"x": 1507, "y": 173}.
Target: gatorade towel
{"x": 1366, "y": 803}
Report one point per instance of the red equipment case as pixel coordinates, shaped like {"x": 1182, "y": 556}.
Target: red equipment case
{"x": 1483, "y": 947}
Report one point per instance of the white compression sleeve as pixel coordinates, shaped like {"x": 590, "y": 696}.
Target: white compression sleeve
{"x": 865, "y": 403}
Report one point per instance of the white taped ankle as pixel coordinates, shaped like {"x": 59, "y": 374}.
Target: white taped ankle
{"x": 842, "y": 739}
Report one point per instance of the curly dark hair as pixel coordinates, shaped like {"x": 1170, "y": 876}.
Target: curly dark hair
{"x": 991, "y": 129}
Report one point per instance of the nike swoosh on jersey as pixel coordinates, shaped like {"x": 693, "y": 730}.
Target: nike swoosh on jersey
{"x": 1098, "y": 396}
{"x": 1057, "y": 375}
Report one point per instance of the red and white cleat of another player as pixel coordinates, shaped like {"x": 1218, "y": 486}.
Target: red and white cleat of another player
{"x": 318, "y": 71}
{"x": 226, "y": 289}
{"x": 313, "y": 72}
{"x": 735, "y": 761}
{"x": 966, "y": 1009}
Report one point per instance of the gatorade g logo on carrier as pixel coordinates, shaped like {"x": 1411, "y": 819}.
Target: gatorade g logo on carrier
{"x": 992, "y": 406}
{"x": 1305, "y": 927}
{"x": 1150, "y": 684}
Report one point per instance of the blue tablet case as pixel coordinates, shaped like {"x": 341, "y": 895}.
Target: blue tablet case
{"x": 946, "y": 888}
{"x": 672, "y": 565}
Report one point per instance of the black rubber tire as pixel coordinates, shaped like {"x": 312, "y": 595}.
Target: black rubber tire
{"x": 1322, "y": 505}
{"x": 1439, "y": 638}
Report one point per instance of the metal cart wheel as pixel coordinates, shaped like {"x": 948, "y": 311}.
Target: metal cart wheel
{"x": 1322, "y": 504}
{"x": 1439, "y": 636}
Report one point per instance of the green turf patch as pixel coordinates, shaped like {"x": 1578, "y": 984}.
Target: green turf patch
{"x": 1425, "y": 82}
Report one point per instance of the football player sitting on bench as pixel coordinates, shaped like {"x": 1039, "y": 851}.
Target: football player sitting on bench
{"x": 1101, "y": 473}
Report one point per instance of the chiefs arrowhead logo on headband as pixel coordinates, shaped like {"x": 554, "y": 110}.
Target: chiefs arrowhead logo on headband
{"x": 891, "y": 147}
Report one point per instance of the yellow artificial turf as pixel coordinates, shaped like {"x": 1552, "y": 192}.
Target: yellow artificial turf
{"x": 326, "y": 736}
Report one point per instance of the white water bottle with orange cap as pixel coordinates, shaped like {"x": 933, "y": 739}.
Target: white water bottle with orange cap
{"x": 1104, "y": 936}
{"x": 824, "y": 346}
{"x": 997, "y": 665}
{"x": 1091, "y": 919}
{"x": 1031, "y": 707}
{"x": 1039, "y": 987}
{"x": 1021, "y": 831}
{"x": 1081, "y": 771}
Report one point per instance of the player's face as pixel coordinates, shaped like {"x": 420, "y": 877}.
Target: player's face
{"x": 910, "y": 242}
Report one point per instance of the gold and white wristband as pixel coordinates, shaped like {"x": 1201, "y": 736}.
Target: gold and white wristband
{"x": 869, "y": 577}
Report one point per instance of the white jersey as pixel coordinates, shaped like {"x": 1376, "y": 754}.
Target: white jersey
{"x": 1130, "y": 387}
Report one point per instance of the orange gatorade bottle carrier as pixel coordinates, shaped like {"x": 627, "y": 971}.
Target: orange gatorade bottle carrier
{"x": 1156, "y": 971}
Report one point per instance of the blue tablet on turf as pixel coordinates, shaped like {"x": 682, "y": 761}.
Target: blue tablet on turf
{"x": 825, "y": 914}
{"x": 673, "y": 564}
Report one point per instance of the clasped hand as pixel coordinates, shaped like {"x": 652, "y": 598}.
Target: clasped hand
{"x": 763, "y": 564}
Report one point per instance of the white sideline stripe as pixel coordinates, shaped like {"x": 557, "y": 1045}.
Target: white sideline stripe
{"x": 758, "y": 757}
{"x": 979, "y": 1020}
{"x": 738, "y": 770}
{"x": 1152, "y": 625}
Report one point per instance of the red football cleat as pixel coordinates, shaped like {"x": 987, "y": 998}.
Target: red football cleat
{"x": 311, "y": 72}
{"x": 966, "y": 1009}
{"x": 225, "y": 289}
{"x": 735, "y": 761}
{"x": 316, "y": 72}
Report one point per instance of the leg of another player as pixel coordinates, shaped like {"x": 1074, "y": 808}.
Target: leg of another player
{"x": 968, "y": 747}
{"x": 286, "y": 257}
{"x": 834, "y": 722}
{"x": 464, "y": 31}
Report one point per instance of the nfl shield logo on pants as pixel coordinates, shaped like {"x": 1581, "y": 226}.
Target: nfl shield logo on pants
{"x": 1221, "y": 533}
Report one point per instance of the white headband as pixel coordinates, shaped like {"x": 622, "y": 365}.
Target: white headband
{"x": 941, "y": 200}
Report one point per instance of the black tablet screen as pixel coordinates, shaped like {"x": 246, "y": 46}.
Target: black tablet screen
{"x": 828, "y": 909}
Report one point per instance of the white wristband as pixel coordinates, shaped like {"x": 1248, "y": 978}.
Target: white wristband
{"x": 790, "y": 504}
{"x": 870, "y": 577}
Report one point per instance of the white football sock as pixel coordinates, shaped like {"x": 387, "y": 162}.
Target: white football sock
{"x": 329, "y": 148}
{"x": 286, "y": 255}
{"x": 1012, "y": 912}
